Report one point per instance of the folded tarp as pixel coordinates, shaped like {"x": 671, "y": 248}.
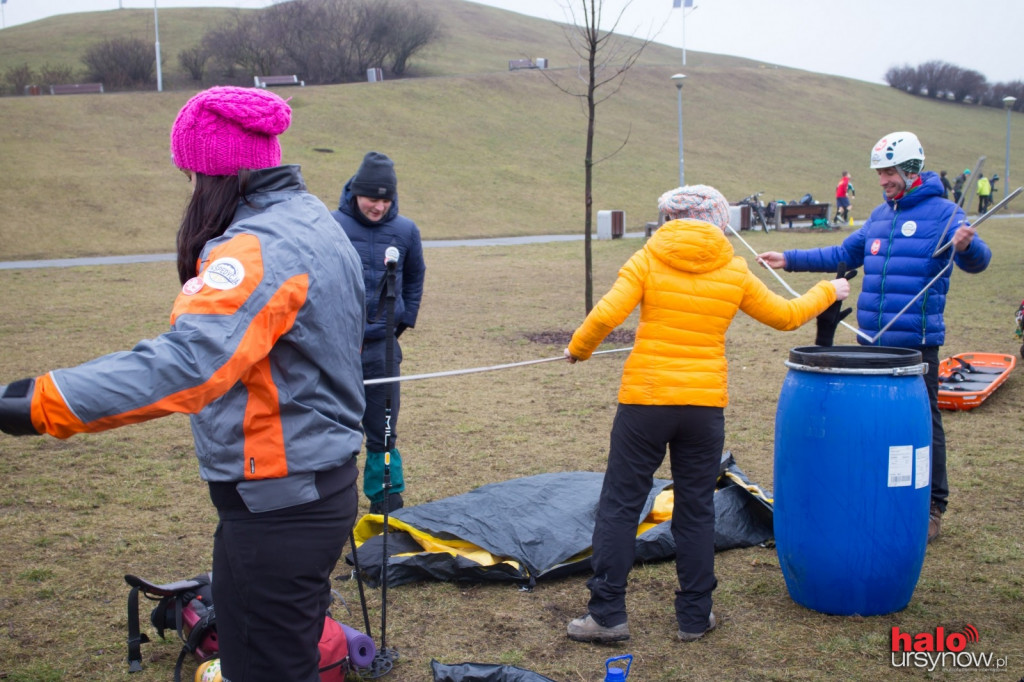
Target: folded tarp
{"x": 483, "y": 672}
{"x": 535, "y": 527}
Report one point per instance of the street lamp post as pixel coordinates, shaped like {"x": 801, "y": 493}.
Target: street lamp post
{"x": 678, "y": 80}
{"x": 156, "y": 29}
{"x": 1008, "y": 102}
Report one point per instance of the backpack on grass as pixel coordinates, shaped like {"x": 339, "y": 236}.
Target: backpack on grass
{"x": 185, "y": 607}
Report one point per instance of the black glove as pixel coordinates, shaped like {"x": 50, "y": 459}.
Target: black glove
{"x": 401, "y": 327}
{"x": 829, "y": 320}
{"x": 16, "y": 408}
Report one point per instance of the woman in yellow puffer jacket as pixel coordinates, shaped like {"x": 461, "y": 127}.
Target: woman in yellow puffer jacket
{"x": 689, "y": 285}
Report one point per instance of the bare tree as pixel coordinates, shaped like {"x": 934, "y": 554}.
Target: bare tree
{"x": 193, "y": 59}
{"x": 605, "y": 60}
{"x": 121, "y": 63}
{"x": 325, "y": 41}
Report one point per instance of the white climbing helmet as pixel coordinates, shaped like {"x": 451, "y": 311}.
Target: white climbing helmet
{"x": 901, "y": 150}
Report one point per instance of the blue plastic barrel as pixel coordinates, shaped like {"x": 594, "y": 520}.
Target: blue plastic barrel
{"x": 852, "y": 477}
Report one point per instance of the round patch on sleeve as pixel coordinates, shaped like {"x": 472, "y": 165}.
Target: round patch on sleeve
{"x": 224, "y": 273}
{"x": 193, "y": 286}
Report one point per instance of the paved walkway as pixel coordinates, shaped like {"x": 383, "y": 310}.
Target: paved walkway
{"x": 435, "y": 243}
{"x": 160, "y": 257}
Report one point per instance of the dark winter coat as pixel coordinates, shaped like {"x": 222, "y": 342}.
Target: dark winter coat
{"x": 370, "y": 240}
{"x": 895, "y": 248}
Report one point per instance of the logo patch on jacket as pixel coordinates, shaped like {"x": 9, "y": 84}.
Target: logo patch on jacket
{"x": 909, "y": 228}
{"x": 224, "y": 273}
{"x": 193, "y": 286}
{"x": 876, "y": 246}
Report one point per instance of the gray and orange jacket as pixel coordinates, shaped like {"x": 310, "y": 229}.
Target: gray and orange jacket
{"x": 263, "y": 353}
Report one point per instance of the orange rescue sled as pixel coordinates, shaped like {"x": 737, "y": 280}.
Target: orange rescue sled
{"x": 967, "y": 379}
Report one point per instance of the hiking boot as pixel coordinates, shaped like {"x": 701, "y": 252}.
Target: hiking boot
{"x": 934, "y": 522}
{"x": 394, "y": 503}
{"x": 694, "y": 636}
{"x": 586, "y": 629}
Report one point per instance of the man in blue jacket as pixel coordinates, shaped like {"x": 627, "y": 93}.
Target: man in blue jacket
{"x": 895, "y": 248}
{"x": 368, "y": 212}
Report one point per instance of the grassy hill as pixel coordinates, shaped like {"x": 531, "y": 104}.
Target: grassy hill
{"x": 480, "y": 150}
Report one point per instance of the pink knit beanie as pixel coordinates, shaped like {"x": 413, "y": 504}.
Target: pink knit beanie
{"x": 224, "y": 129}
{"x": 698, "y": 202}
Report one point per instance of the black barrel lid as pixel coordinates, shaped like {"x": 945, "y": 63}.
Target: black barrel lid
{"x": 855, "y": 357}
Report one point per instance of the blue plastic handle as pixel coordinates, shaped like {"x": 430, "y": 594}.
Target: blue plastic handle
{"x": 615, "y": 674}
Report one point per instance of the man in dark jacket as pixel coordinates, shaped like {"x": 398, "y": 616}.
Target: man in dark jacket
{"x": 895, "y": 247}
{"x": 368, "y": 212}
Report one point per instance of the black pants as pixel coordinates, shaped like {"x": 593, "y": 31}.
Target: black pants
{"x": 940, "y": 481}
{"x": 271, "y": 586}
{"x": 695, "y": 437}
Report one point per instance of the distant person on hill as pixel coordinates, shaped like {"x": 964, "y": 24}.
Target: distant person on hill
{"x": 263, "y": 353}
{"x": 992, "y": 194}
{"x": 958, "y": 185}
{"x": 689, "y": 285}
{"x": 368, "y": 213}
{"x": 947, "y": 186}
{"x": 984, "y": 193}
{"x": 844, "y": 191}
{"x": 895, "y": 247}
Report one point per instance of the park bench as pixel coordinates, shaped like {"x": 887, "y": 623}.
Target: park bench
{"x": 264, "y": 81}
{"x": 787, "y": 213}
{"x": 515, "y": 64}
{"x": 76, "y": 88}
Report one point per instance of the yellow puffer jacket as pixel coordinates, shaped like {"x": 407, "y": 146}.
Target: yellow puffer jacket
{"x": 689, "y": 285}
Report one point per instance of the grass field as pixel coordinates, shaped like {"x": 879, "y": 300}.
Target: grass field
{"x": 484, "y": 152}
{"x": 78, "y": 514}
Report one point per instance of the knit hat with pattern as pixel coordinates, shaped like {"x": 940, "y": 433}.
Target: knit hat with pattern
{"x": 698, "y": 202}
{"x": 224, "y": 129}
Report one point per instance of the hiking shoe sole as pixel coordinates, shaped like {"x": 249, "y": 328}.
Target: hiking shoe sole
{"x": 586, "y": 629}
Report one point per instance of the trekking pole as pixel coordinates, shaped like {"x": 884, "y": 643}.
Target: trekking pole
{"x": 789, "y": 288}
{"x": 359, "y": 582}
{"x": 939, "y": 250}
{"x": 390, "y": 262}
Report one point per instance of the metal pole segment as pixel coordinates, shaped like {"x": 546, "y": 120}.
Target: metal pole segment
{"x": 960, "y": 204}
{"x": 475, "y": 370}
{"x": 789, "y": 288}
{"x": 934, "y": 279}
{"x": 998, "y": 207}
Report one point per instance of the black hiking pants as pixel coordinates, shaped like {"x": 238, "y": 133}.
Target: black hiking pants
{"x": 695, "y": 437}
{"x": 940, "y": 480}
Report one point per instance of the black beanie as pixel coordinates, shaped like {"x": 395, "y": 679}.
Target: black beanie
{"x": 375, "y": 178}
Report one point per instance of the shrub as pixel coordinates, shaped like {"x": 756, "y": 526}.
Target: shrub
{"x": 193, "y": 60}
{"x": 17, "y": 77}
{"x": 121, "y": 63}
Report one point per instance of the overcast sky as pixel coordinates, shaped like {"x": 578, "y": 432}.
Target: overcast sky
{"x": 857, "y": 38}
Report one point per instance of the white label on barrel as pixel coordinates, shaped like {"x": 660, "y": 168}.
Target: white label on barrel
{"x": 901, "y": 465}
{"x": 923, "y": 467}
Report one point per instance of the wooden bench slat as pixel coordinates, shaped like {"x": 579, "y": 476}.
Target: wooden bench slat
{"x": 264, "y": 81}
{"x": 75, "y": 88}
{"x": 787, "y": 213}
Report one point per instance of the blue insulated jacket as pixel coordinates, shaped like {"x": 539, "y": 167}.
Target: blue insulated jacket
{"x": 894, "y": 248}
{"x": 370, "y": 240}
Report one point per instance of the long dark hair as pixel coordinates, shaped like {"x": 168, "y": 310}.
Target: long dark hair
{"x": 207, "y": 215}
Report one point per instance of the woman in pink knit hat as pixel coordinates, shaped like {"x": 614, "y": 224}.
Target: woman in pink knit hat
{"x": 689, "y": 285}
{"x": 263, "y": 353}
